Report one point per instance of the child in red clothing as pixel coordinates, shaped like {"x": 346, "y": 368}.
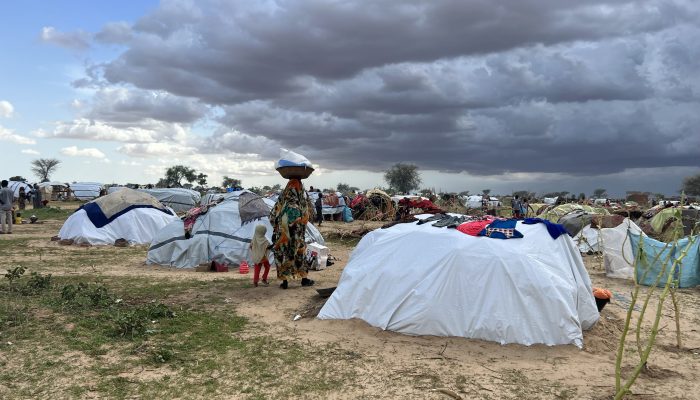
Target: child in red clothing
{"x": 259, "y": 246}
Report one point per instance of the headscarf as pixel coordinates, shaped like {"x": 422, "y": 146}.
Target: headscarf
{"x": 259, "y": 244}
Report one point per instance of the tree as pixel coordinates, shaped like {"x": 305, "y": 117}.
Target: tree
{"x": 202, "y": 179}
{"x": 18, "y": 179}
{"x": 403, "y": 177}
{"x": 257, "y": 190}
{"x": 600, "y": 193}
{"x": 44, "y": 167}
{"x": 582, "y": 196}
{"x": 691, "y": 185}
{"x": 486, "y": 192}
{"x": 231, "y": 182}
{"x": 175, "y": 174}
{"x": 343, "y": 188}
{"x": 464, "y": 193}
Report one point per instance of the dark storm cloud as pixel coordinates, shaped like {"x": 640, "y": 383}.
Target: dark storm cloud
{"x": 587, "y": 87}
{"x": 115, "y": 32}
{"x": 121, "y": 106}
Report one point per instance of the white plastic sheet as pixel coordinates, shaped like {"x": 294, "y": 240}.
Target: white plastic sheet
{"x": 138, "y": 226}
{"x": 617, "y": 250}
{"x": 422, "y": 280}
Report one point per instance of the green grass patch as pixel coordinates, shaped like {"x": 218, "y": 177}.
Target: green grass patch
{"x": 47, "y": 213}
{"x": 73, "y": 336}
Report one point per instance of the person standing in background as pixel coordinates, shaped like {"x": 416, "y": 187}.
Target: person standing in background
{"x": 6, "y": 200}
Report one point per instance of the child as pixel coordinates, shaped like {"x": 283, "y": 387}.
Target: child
{"x": 259, "y": 246}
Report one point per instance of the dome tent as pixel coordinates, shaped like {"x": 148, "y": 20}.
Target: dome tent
{"x": 179, "y": 199}
{"x": 223, "y": 233}
{"x": 423, "y": 280}
{"x": 126, "y": 214}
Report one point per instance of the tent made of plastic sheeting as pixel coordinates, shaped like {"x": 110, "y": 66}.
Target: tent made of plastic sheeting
{"x": 618, "y": 257}
{"x": 16, "y": 185}
{"x": 332, "y": 204}
{"x": 113, "y": 189}
{"x": 674, "y": 222}
{"x": 86, "y": 190}
{"x": 554, "y": 213}
{"x": 477, "y": 202}
{"x": 550, "y": 200}
{"x": 128, "y": 214}
{"x": 423, "y": 280}
{"x": 654, "y": 257}
{"x": 587, "y": 240}
{"x": 218, "y": 235}
{"x": 179, "y": 199}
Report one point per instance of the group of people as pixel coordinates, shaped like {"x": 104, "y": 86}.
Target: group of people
{"x": 34, "y": 195}
{"x": 520, "y": 207}
{"x": 7, "y": 207}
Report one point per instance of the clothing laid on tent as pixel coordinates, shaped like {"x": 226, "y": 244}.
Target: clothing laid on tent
{"x": 126, "y": 214}
{"x": 218, "y": 234}
{"x": 179, "y": 199}
{"x": 421, "y": 280}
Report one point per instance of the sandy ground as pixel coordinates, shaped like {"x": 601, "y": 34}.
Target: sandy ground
{"x": 400, "y": 366}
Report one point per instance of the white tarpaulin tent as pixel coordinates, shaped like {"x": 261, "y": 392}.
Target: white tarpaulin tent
{"x": 126, "y": 214}
{"x": 587, "y": 239}
{"x": 217, "y": 235}
{"x": 476, "y": 202}
{"x": 16, "y": 185}
{"x": 618, "y": 256}
{"x": 86, "y": 190}
{"x": 179, "y": 199}
{"x": 423, "y": 280}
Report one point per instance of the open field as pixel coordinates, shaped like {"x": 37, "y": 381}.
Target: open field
{"x": 107, "y": 326}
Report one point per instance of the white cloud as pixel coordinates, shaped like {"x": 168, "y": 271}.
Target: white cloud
{"x": 130, "y": 163}
{"x": 83, "y": 128}
{"x": 8, "y": 135}
{"x": 31, "y": 152}
{"x": 154, "y": 149}
{"x": 74, "y": 151}
{"x": 6, "y": 109}
{"x": 72, "y": 40}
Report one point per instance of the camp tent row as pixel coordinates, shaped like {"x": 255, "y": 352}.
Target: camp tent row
{"x": 222, "y": 234}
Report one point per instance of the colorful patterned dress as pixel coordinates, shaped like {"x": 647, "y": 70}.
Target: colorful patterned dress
{"x": 289, "y": 217}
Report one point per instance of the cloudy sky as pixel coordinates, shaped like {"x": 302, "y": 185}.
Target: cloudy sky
{"x": 537, "y": 95}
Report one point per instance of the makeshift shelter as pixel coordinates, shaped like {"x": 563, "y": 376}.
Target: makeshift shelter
{"x": 618, "y": 257}
{"x": 477, "y": 201}
{"x": 332, "y": 203}
{"x": 654, "y": 257}
{"x": 675, "y": 222}
{"x": 555, "y": 213}
{"x": 54, "y": 191}
{"x": 126, "y": 214}
{"x": 373, "y": 205}
{"x": 86, "y": 190}
{"x": 422, "y": 280}
{"x": 221, "y": 234}
{"x": 16, "y": 185}
{"x": 179, "y": 199}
